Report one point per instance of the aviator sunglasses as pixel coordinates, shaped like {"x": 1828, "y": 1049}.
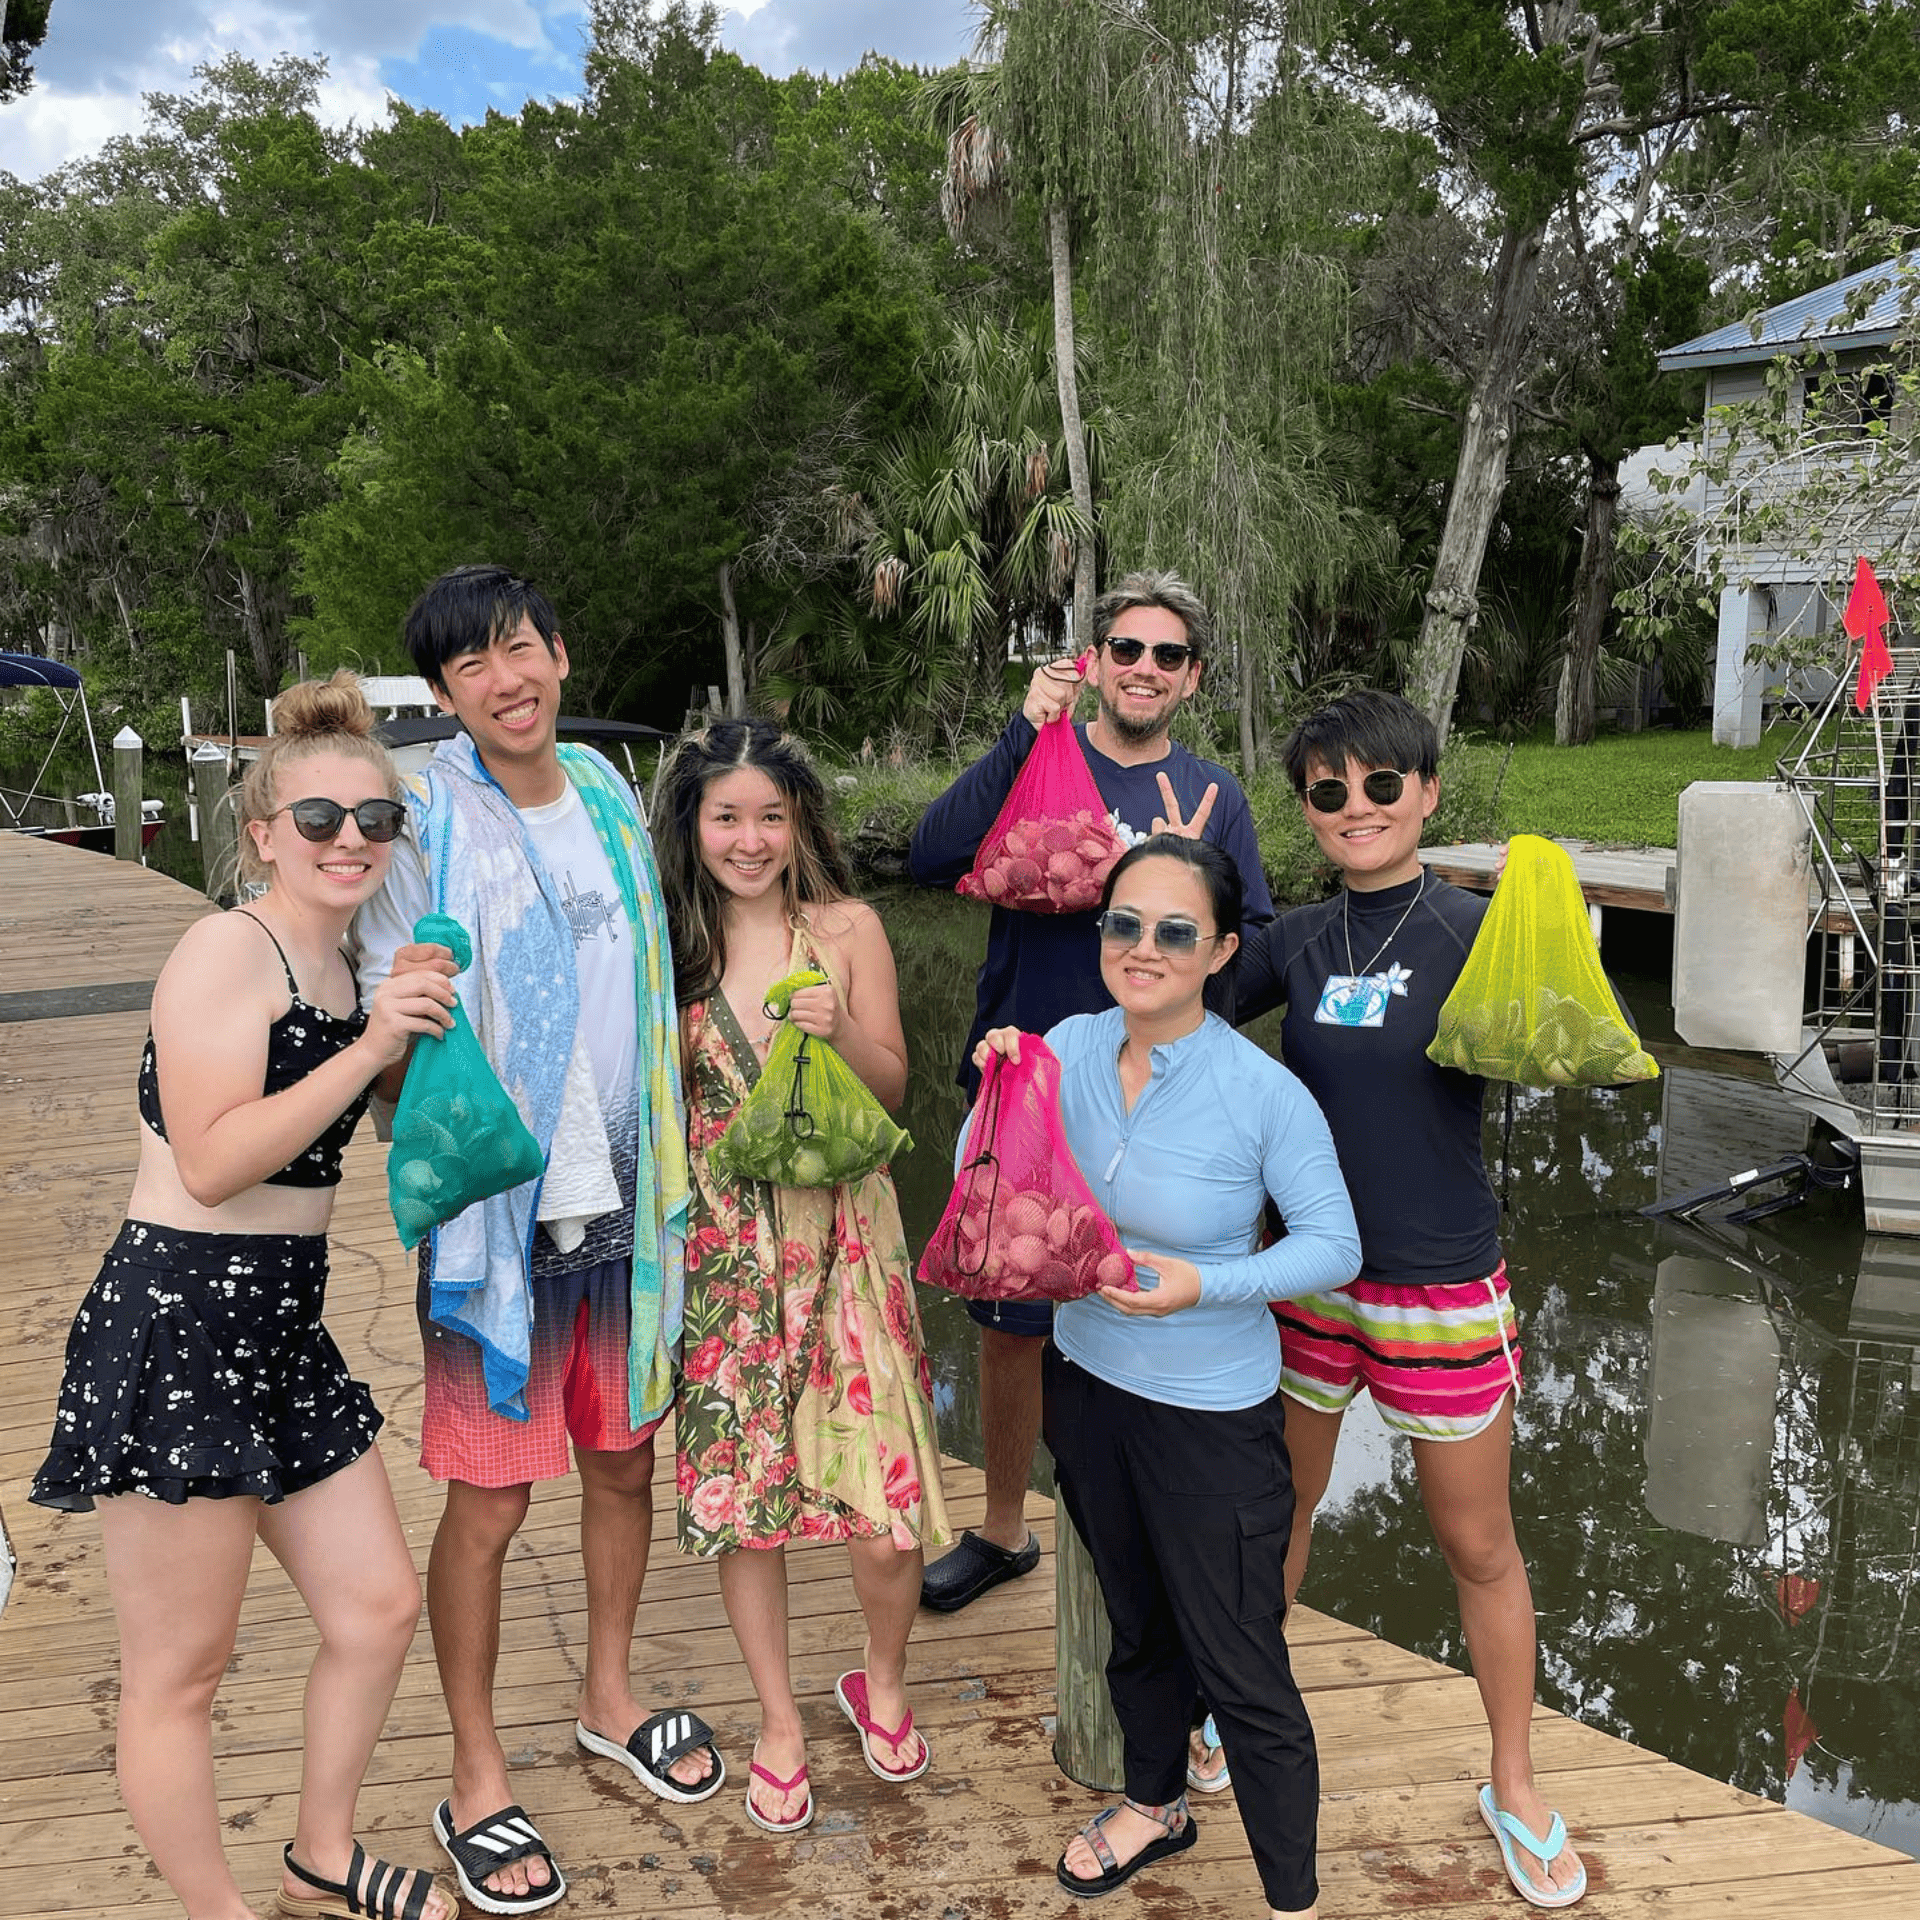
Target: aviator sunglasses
{"x": 1383, "y": 787}
{"x": 1122, "y": 927}
{"x": 1168, "y": 655}
{"x": 320, "y": 820}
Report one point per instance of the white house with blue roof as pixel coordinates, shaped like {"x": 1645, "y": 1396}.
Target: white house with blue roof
{"x": 1784, "y": 573}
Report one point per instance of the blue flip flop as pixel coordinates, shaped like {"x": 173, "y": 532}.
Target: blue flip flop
{"x": 1210, "y": 1783}
{"x": 1506, "y": 1829}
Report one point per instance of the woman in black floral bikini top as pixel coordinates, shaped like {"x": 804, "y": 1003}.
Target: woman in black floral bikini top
{"x": 204, "y": 1405}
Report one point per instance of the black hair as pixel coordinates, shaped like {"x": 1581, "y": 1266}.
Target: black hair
{"x": 817, "y": 871}
{"x": 1373, "y": 728}
{"x": 1218, "y": 872}
{"x": 466, "y": 611}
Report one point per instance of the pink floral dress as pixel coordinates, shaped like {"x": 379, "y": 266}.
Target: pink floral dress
{"x": 806, "y": 1403}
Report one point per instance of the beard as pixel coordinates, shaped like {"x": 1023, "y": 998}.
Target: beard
{"x": 1129, "y": 731}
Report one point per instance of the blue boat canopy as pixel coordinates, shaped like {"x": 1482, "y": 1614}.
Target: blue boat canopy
{"x": 29, "y": 670}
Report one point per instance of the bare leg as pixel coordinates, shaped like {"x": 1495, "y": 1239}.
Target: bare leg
{"x": 1010, "y": 1425}
{"x": 753, "y": 1584}
{"x": 887, "y": 1583}
{"x": 463, "y": 1605}
{"x": 177, "y": 1575}
{"x": 616, "y": 1532}
{"x": 1463, "y": 1484}
{"x": 342, "y": 1545}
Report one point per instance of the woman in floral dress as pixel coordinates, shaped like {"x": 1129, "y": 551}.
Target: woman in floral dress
{"x": 806, "y": 1411}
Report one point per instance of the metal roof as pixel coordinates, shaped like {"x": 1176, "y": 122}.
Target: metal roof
{"x": 1890, "y": 293}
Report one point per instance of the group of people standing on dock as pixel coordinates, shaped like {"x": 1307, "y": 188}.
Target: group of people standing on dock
{"x": 1301, "y": 1232}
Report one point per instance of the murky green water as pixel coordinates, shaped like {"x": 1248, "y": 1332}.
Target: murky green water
{"x": 1717, "y": 1466}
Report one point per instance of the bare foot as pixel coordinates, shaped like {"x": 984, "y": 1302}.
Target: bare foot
{"x": 785, "y": 1757}
{"x": 1205, "y": 1764}
{"x": 887, "y": 1704}
{"x": 1533, "y": 1813}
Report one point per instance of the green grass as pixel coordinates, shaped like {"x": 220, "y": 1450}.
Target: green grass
{"x": 1623, "y": 790}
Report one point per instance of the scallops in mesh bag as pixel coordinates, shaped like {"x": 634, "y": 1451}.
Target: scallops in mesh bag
{"x": 810, "y": 1121}
{"x": 1533, "y": 1004}
{"x": 457, "y": 1136}
{"x": 1021, "y": 1223}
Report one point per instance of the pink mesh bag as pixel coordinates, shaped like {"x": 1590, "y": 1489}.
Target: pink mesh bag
{"x": 1021, "y": 1223}
{"x": 1051, "y": 845}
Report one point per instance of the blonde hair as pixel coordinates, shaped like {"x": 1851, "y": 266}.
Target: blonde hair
{"x": 311, "y": 718}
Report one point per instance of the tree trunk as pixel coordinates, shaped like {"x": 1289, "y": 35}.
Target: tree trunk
{"x": 1479, "y": 480}
{"x": 1059, "y": 246}
{"x": 1249, "y": 733}
{"x": 730, "y": 640}
{"x": 1592, "y": 599}
{"x": 263, "y": 615}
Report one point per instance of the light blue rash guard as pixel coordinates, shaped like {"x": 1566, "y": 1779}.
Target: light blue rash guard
{"x": 1218, "y": 1126}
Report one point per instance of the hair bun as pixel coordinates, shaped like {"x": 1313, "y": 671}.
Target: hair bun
{"x": 332, "y": 706}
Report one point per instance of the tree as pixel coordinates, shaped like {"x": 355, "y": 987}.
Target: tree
{"x": 1543, "y": 107}
{"x": 23, "y": 28}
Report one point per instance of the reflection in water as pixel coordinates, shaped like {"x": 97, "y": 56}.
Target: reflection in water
{"x": 1717, "y": 1464}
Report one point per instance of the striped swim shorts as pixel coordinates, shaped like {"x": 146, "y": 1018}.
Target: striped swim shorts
{"x": 1438, "y": 1361}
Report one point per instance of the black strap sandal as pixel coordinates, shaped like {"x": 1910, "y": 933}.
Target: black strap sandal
{"x": 371, "y": 1887}
{"x": 1180, "y": 1834}
{"x": 490, "y": 1844}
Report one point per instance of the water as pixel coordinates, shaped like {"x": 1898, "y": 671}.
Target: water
{"x": 1717, "y": 1462}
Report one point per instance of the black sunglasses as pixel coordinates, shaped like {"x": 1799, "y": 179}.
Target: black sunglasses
{"x": 1168, "y": 655}
{"x": 1122, "y": 927}
{"x": 1383, "y": 787}
{"x": 320, "y": 820}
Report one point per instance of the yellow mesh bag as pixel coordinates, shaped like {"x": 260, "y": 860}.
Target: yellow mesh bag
{"x": 1533, "y": 1004}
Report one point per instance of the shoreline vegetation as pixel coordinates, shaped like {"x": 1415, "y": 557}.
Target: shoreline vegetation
{"x": 1622, "y": 791}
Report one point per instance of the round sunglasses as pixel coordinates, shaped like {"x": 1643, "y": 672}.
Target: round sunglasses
{"x": 1122, "y": 927}
{"x": 320, "y": 820}
{"x": 1168, "y": 655}
{"x": 1383, "y": 787}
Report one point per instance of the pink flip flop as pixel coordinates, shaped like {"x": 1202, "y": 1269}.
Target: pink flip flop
{"x": 851, "y": 1691}
{"x": 794, "y": 1822}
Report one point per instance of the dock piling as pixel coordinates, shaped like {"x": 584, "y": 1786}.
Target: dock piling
{"x": 218, "y": 827}
{"x": 129, "y": 752}
{"x": 1086, "y": 1739}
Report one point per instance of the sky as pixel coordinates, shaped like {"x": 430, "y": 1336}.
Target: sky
{"x": 459, "y": 57}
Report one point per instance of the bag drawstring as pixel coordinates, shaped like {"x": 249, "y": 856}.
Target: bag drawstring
{"x": 1506, "y": 1345}
{"x": 990, "y": 1098}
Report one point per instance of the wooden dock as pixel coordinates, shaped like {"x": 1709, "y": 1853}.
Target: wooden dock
{"x": 1402, "y": 1744}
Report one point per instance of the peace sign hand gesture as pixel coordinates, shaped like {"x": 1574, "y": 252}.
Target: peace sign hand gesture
{"x": 1172, "y": 820}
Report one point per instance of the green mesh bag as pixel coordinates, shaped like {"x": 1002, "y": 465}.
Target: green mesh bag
{"x": 457, "y": 1136}
{"x": 1533, "y": 1004}
{"x": 810, "y": 1121}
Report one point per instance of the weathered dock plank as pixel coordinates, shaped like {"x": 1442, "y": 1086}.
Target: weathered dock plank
{"x": 1402, "y": 1743}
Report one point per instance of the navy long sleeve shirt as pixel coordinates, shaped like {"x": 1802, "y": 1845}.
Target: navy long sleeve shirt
{"x": 1041, "y": 968}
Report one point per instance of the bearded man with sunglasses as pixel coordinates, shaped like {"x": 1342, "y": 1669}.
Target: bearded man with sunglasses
{"x": 1150, "y": 635}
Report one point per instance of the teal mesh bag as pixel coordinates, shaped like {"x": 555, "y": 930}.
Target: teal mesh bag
{"x": 810, "y": 1121}
{"x": 457, "y": 1136}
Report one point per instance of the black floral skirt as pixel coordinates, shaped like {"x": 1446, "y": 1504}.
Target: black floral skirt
{"x": 198, "y": 1369}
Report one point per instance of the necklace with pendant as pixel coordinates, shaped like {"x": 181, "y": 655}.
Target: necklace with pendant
{"x": 1346, "y": 927}
{"x": 1359, "y": 997}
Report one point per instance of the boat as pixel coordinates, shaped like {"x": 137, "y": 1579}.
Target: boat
{"x": 55, "y": 816}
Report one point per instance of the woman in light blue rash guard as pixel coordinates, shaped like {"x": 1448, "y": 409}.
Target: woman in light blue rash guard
{"x": 1162, "y": 1406}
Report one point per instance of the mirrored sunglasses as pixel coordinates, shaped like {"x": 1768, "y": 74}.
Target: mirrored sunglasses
{"x": 1383, "y": 787}
{"x": 320, "y": 820}
{"x": 1168, "y": 655}
{"x": 1120, "y": 927}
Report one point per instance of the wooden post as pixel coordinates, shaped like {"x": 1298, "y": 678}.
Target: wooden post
{"x": 128, "y": 753}
{"x": 1086, "y": 1740}
{"x": 218, "y": 822}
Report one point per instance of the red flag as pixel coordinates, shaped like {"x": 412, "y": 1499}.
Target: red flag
{"x": 1801, "y": 1732}
{"x": 1866, "y": 614}
{"x": 1798, "y": 1596}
